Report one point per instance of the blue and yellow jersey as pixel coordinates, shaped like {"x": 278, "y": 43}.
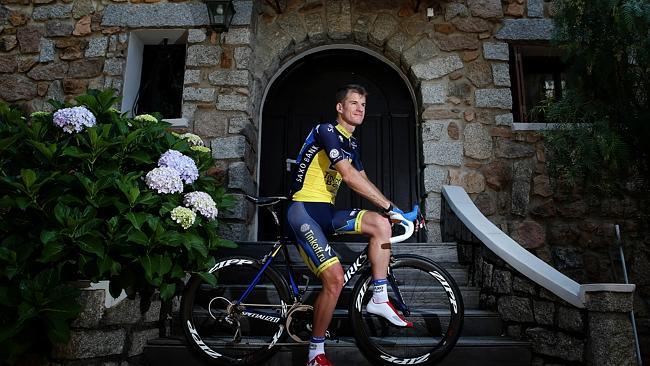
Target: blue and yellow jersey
{"x": 314, "y": 177}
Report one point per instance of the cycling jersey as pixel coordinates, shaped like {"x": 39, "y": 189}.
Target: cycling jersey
{"x": 314, "y": 177}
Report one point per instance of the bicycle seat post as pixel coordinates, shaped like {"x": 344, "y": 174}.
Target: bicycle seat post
{"x": 276, "y": 220}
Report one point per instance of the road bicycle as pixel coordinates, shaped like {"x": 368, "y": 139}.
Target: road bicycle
{"x": 254, "y": 309}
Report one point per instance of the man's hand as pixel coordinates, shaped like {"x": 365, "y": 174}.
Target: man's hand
{"x": 394, "y": 214}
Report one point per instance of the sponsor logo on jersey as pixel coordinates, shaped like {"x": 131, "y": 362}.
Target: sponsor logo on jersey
{"x": 304, "y": 164}
{"x": 304, "y": 228}
{"x": 334, "y": 153}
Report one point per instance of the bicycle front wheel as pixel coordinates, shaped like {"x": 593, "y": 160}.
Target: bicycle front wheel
{"x": 427, "y": 296}
{"x": 224, "y": 332}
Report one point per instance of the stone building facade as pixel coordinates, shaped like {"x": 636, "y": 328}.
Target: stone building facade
{"x": 456, "y": 64}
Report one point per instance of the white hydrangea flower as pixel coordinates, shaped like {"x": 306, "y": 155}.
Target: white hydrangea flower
{"x": 203, "y": 203}
{"x": 164, "y": 180}
{"x": 202, "y": 149}
{"x": 145, "y": 118}
{"x": 192, "y": 139}
{"x": 183, "y": 216}
{"x": 38, "y": 114}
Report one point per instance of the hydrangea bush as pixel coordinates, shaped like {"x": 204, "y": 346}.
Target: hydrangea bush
{"x": 89, "y": 194}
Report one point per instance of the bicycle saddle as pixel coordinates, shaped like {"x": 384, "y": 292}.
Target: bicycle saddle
{"x": 265, "y": 201}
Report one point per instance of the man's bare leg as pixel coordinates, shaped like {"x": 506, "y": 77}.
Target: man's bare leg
{"x": 332, "y": 279}
{"x": 378, "y": 228}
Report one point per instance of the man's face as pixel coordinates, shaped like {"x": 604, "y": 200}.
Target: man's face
{"x": 352, "y": 109}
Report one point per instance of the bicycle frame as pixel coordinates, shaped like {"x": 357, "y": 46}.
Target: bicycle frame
{"x": 351, "y": 271}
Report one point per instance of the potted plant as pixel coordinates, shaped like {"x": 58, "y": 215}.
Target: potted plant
{"x": 87, "y": 193}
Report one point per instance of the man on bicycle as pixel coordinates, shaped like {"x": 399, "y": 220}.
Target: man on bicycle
{"x": 330, "y": 155}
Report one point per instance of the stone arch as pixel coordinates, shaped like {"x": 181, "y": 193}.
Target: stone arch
{"x": 447, "y": 68}
{"x": 346, "y": 46}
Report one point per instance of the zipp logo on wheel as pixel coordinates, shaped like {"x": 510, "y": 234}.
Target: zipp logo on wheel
{"x": 230, "y": 262}
{"x": 406, "y": 361}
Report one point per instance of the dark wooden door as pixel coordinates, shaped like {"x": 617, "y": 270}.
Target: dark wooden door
{"x": 304, "y": 96}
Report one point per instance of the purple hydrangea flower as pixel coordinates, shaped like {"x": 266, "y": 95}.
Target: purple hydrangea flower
{"x": 183, "y": 164}
{"x": 74, "y": 119}
{"x": 164, "y": 180}
{"x": 201, "y": 202}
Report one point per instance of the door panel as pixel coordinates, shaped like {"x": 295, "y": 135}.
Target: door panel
{"x": 304, "y": 96}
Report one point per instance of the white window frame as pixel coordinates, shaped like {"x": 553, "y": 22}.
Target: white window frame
{"x": 133, "y": 73}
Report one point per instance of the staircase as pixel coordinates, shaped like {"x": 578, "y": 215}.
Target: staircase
{"x": 481, "y": 341}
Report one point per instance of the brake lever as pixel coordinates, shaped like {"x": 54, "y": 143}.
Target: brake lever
{"x": 420, "y": 222}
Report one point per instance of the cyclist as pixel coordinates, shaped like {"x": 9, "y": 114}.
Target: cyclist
{"x": 330, "y": 155}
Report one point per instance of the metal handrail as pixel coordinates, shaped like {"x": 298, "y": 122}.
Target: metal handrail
{"x": 619, "y": 243}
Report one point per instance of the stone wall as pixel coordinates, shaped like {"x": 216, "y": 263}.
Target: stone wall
{"x": 108, "y": 336}
{"x": 456, "y": 63}
{"x": 560, "y": 334}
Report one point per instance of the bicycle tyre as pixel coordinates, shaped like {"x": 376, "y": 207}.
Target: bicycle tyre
{"x": 204, "y": 321}
{"x": 436, "y": 310}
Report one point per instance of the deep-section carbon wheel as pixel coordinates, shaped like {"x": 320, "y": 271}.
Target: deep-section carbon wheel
{"x": 432, "y": 302}
{"x": 225, "y": 333}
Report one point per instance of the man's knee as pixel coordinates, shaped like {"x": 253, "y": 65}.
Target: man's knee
{"x": 378, "y": 225}
{"x": 333, "y": 279}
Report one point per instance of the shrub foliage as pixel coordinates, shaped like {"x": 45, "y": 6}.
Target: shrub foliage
{"x": 76, "y": 206}
{"x": 607, "y": 43}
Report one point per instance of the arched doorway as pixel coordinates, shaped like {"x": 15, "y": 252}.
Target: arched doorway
{"x": 303, "y": 95}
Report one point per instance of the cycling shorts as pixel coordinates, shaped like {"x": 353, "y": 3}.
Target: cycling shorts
{"x": 310, "y": 222}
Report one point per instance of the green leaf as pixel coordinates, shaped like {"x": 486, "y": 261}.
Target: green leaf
{"x": 22, "y": 202}
{"x": 75, "y": 152}
{"x": 47, "y": 150}
{"x": 91, "y": 244}
{"x": 225, "y": 243}
{"x": 47, "y": 236}
{"x": 133, "y": 195}
{"x": 171, "y": 238}
{"x": 167, "y": 290}
{"x": 28, "y": 176}
{"x": 61, "y": 213}
{"x": 195, "y": 242}
{"x": 177, "y": 272}
{"x": 209, "y": 278}
{"x": 141, "y": 157}
{"x": 7, "y": 255}
{"x": 148, "y": 265}
{"x": 138, "y": 237}
{"x": 51, "y": 251}
{"x": 136, "y": 219}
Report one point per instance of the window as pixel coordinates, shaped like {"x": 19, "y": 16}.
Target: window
{"x": 538, "y": 74}
{"x": 153, "y": 80}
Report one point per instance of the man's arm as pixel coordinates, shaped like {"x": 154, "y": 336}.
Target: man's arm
{"x": 359, "y": 182}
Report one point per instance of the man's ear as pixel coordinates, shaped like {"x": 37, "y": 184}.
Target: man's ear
{"x": 339, "y": 107}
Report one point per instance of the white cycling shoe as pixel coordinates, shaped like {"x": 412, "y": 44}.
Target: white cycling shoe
{"x": 388, "y": 312}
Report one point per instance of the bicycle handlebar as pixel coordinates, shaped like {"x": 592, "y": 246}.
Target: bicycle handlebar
{"x": 406, "y": 221}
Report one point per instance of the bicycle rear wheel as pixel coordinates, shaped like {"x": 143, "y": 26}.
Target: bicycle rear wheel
{"x": 224, "y": 334}
{"x": 432, "y": 302}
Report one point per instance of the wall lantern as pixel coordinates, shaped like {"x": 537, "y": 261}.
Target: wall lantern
{"x": 220, "y": 13}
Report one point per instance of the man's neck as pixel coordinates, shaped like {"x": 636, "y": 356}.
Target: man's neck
{"x": 348, "y": 127}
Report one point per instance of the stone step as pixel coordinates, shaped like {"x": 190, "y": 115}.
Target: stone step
{"x": 347, "y": 251}
{"x": 475, "y": 322}
{"x": 484, "y": 351}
